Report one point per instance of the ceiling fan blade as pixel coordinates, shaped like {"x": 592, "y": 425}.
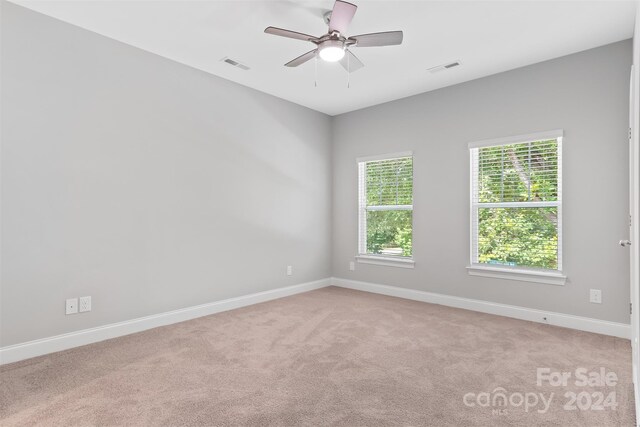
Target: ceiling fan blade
{"x": 302, "y": 58}
{"x": 350, "y": 62}
{"x": 388, "y": 38}
{"x": 341, "y": 16}
{"x": 290, "y": 34}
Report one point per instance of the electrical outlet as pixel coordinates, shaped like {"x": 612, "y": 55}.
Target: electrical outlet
{"x": 595, "y": 296}
{"x": 289, "y": 270}
{"x": 85, "y": 304}
{"x": 71, "y": 306}
{"x": 352, "y": 266}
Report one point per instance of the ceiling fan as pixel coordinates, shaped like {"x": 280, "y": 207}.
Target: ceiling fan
{"x": 335, "y": 46}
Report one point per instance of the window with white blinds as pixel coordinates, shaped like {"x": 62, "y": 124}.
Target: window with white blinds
{"x": 386, "y": 205}
{"x": 516, "y": 202}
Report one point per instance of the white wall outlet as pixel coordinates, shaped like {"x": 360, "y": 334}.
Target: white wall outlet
{"x": 352, "y": 266}
{"x": 72, "y": 306}
{"x": 595, "y": 296}
{"x": 289, "y": 270}
{"x": 85, "y": 304}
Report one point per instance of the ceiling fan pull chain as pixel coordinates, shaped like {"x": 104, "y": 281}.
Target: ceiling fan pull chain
{"x": 315, "y": 80}
{"x": 348, "y": 71}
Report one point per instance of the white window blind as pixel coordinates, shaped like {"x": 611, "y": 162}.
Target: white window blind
{"x": 386, "y": 205}
{"x": 516, "y": 203}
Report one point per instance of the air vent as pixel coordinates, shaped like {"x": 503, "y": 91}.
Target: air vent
{"x": 444, "y": 67}
{"x": 235, "y": 63}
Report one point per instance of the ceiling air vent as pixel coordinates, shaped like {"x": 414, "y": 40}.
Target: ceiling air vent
{"x": 444, "y": 67}
{"x": 235, "y": 63}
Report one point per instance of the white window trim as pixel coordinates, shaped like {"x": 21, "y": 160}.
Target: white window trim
{"x": 363, "y": 257}
{"x": 518, "y": 139}
{"x": 401, "y": 262}
{"x": 551, "y": 277}
{"x": 388, "y": 156}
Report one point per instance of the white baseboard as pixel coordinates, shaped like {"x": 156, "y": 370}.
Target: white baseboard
{"x": 604, "y": 327}
{"x": 14, "y": 353}
{"x": 17, "y": 352}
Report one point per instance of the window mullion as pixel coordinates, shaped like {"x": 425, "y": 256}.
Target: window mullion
{"x": 551, "y": 204}
{"x": 390, "y": 208}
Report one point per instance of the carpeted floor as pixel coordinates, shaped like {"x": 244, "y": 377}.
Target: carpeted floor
{"x": 327, "y": 357}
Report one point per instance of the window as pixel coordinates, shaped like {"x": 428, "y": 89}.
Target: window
{"x": 516, "y": 205}
{"x": 386, "y": 209}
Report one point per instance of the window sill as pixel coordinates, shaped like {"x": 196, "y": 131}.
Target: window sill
{"x": 547, "y": 277}
{"x": 386, "y": 261}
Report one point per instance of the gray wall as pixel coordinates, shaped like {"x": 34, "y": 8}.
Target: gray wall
{"x": 146, "y": 184}
{"x": 586, "y": 94}
{"x": 152, "y": 186}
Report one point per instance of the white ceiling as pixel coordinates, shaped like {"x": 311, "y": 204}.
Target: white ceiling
{"x": 488, "y": 37}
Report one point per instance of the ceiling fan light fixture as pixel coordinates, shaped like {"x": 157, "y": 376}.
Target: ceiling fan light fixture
{"x": 334, "y": 46}
{"x": 331, "y": 51}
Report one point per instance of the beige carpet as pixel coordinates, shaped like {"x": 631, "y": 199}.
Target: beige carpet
{"x": 327, "y": 357}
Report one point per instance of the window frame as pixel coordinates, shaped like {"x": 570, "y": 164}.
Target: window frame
{"x": 378, "y": 259}
{"x": 528, "y": 274}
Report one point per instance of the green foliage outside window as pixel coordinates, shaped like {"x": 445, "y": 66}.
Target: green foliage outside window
{"x": 389, "y": 190}
{"x": 389, "y": 232}
{"x": 518, "y": 236}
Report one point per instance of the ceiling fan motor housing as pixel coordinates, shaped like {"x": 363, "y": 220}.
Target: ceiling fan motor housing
{"x": 331, "y": 50}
